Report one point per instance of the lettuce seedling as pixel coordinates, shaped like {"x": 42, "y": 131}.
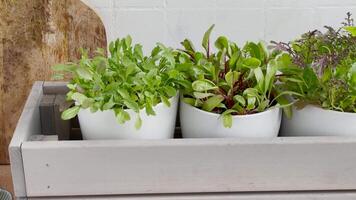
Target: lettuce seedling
{"x": 232, "y": 81}
{"x": 125, "y": 80}
{"x": 323, "y": 67}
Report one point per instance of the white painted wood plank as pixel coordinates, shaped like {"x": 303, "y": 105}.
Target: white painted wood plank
{"x": 29, "y": 123}
{"x": 230, "y": 196}
{"x": 189, "y": 166}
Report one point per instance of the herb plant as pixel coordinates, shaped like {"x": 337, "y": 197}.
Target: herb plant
{"x": 125, "y": 80}
{"x": 232, "y": 81}
{"x": 322, "y": 67}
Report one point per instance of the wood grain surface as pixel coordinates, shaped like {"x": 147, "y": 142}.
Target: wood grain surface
{"x": 34, "y": 35}
{"x": 5, "y": 178}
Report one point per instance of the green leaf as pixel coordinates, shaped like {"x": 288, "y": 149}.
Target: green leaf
{"x": 165, "y": 101}
{"x": 352, "y": 76}
{"x": 254, "y": 50}
{"x": 138, "y": 122}
{"x": 122, "y": 116}
{"x": 108, "y": 105}
{"x": 270, "y": 77}
{"x": 188, "y": 45}
{"x": 112, "y": 48}
{"x": 155, "y": 51}
{"x": 189, "y": 101}
{"x": 351, "y": 30}
{"x": 222, "y": 43}
{"x": 259, "y": 78}
{"x": 123, "y": 93}
{"x": 70, "y": 113}
{"x": 264, "y": 53}
{"x": 131, "y": 105}
{"x": 128, "y": 41}
{"x": 290, "y": 94}
{"x": 78, "y": 97}
{"x": 240, "y": 99}
{"x": 233, "y": 60}
{"x": 138, "y": 51}
{"x": 206, "y": 38}
{"x": 251, "y": 63}
{"x": 227, "y": 120}
{"x": 251, "y": 92}
{"x": 71, "y": 86}
{"x": 263, "y": 105}
{"x": 212, "y": 103}
{"x": 203, "y": 85}
{"x": 310, "y": 78}
{"x": 231, "y": 77}
{"x": 84, "y": 73}
{"x": 287, "y": 107}
{"x": 202, "y": 95}
{"x": 170, "y": 91}
{"x": 87, "y": 103}
{"x": 326, "y": 75}
{"x": 149, "y": 109}
{"x": 251, "y": 101}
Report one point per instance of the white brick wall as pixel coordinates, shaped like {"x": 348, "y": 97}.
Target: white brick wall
{"x": 170, "y": 21}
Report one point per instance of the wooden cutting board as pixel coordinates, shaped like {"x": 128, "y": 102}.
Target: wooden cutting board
{"x": 34, "y": 35}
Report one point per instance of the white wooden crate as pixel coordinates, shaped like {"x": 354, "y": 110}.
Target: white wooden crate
{"x": 211, "y": 169}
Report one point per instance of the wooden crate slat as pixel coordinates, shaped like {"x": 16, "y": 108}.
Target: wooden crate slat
{"x": 189, "y": 166}
{"x": 62, "y": 127}
{"x": 347, "y": 195}
{"x": 47, "y": 114}
{"x": 54, "y": 88}
{"x": 28, "y": 124}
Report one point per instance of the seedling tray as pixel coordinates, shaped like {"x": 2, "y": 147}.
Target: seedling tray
{"x": 243, "y": 169}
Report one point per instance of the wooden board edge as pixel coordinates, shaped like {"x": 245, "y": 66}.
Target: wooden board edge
{"x": 52, "y": 87}
{"x": 21, "y": 134}
{"x": 187, "y": 142}
{"x": 315, "y": 195}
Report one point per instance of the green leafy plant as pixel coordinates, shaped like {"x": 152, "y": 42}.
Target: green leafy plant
{"x": 322, "y": 67}
{"x": 232, "y": 81}
{"x": 125, "y": 80}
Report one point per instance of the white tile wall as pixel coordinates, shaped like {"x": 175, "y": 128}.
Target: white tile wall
{"x": 138, "y": 4}
{"x": 190, "y": 24}
{"x": 241, "y": 25}
{"x": 286, "y": 23}
{"x": 170, "y": 21}
{"x": 145, "y": 26}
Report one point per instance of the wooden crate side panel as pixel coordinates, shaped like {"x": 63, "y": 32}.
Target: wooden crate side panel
{"x": 232, "y": 196}
{"x": 188, "y": 166}
{"x": 29, "y": 123}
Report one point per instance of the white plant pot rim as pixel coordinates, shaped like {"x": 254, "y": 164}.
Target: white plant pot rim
{"x": 324, "y": 110}
{"x": 270, "y": 109}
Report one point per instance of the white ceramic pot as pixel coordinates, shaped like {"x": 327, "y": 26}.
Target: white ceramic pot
{"x": 196, "y": 123}
{"x": 103, "y": 124}
{"x": 315, "y": 121}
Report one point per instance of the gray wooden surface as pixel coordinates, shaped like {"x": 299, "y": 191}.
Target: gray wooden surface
{"x": 188, "y": 166}
{"x": 28, "y": 124}
{"x": 62, "y": 127}
{"x": 45, "y": 168}
{"x": 47, "y": 114}
{"x": 50, "y": 87}
{"x": 347, "y": 195}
